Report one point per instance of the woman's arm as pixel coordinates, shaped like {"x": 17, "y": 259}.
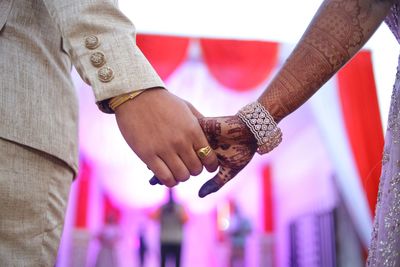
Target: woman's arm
{"x": 338, "y": 30}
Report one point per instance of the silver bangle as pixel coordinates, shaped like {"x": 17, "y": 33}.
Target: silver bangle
{"x": 262, "y": 125}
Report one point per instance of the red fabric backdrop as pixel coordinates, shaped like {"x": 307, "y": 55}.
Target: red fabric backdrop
{"x": 268, "y": 203}
{"x": 165, "y": 53}
{"x": 362, "y": 119}
{"x": 240, "y": 65}
{"x": 82, "y": 199}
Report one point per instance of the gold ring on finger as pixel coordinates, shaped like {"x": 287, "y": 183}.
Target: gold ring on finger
{"x": 204, "y": 152}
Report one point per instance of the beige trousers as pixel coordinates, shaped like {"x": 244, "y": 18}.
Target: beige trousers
{"x": 34, "y": 189}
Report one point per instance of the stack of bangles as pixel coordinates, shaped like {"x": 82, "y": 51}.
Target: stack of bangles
{"x": 262, "y": 125}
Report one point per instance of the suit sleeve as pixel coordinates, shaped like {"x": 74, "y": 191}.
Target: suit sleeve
{"x": 101, "y": 42}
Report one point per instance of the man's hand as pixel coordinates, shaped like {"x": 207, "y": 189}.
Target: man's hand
{"x": 234, "y": 145}
{"x": 162, "y": 130}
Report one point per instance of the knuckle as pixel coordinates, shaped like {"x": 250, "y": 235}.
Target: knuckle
{"x": 183, "y": 177}
{"x": 147, "y": 159}
{"x": 165, "y": 178}
{"x": 196, "y": 170}
{"x": 170, "y": 182}
{"x": 215, "y": 162}
{"x": 194, "y": 130}
{"x": 146, "y": 155}
{"x": 212, "y": 163}
{"x": 170, "y": 185}
{"x": 212, "y": 168}
{"x": 179, "y": 141}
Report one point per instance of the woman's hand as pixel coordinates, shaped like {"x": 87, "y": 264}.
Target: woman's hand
{"x": 234, "y": 146}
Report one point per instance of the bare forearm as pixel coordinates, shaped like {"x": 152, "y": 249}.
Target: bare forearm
{"x": 339, "y": 29}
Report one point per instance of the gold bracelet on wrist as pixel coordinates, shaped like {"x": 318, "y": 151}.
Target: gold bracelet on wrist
{"x": 119, "y": 100}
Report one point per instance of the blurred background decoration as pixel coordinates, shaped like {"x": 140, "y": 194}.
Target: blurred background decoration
{"x": 309, "y": 203}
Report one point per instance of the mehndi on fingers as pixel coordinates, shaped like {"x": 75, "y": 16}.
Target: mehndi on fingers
{"x": 235, "y": 140}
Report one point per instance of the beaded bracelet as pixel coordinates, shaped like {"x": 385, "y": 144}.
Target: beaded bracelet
{"x": 262, "y": 125}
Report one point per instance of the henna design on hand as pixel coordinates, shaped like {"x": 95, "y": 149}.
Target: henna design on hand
{"x": 234, "y": 146}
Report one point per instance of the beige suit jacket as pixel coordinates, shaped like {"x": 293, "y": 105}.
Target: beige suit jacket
{"x": 39, "y": 42}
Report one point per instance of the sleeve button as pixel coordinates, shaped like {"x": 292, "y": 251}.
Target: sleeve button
{"x": 97, "y": 59}
{"x": 105, "y": 74}
{"x": 92, "y": 42}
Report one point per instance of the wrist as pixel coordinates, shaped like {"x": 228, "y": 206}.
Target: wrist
{"x": 275, "y": 109}
{"x": 262, "y": 125}
{"x": 117, "y": 101}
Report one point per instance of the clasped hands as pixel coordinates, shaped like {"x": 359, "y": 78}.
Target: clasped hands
{"x": 165, "y": 132}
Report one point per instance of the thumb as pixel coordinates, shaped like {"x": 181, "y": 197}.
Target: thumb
{"x": 209, "y": 187}
{"x": 224, "y": 175}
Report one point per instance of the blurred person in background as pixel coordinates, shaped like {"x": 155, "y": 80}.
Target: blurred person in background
{"x": 172, "y": 218}
{"x": 238, "y": 231}
{"x": 142, "y": 246}
{"x": 108, "y": 239}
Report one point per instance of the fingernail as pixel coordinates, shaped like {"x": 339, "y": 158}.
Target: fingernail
{"x": 209, "y": 187}
{"x": 154, "y": 180}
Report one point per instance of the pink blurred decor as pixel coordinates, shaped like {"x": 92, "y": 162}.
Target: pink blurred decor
{"x": 110, "y": 209}
{"x": 220, "y": 76}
